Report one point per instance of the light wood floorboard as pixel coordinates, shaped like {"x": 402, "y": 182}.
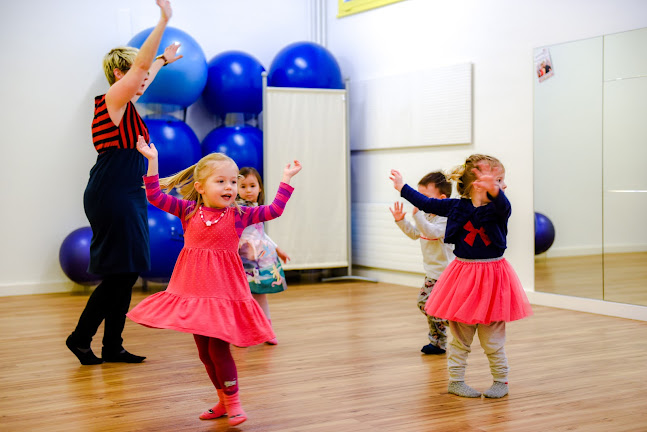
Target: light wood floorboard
{"x": 348, "y": 360}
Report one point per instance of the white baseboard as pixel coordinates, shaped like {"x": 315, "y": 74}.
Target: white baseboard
{"x": 582, "y": 251}
{"x": 581, "y": 304}
{"x": 38, "y": 288}
{"x": 66, "y": 286}
{"x": 390, "y": 276}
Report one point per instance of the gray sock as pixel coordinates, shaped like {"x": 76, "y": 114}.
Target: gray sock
{"x": 459, "y": 388}
{"x": 498, "y": 390}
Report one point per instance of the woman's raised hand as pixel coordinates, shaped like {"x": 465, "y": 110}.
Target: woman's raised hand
{"x": 149, "y": 151}
{"x": 170, "y": 53}
{"x": 165, "y": 7}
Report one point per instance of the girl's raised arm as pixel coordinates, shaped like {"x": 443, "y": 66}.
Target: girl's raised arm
{"x": 154, "y": 194}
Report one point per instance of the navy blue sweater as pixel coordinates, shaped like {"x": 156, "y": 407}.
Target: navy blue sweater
{"x": 476, "y": 232}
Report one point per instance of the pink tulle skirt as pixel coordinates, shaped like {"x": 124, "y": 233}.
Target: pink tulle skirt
{"x": 478, "y": 292}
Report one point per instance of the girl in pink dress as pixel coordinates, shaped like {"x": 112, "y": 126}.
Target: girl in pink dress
{"x": 208, "y": 294}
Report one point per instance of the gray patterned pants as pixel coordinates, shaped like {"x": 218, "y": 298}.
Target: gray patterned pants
{"x": 437, "y": 326}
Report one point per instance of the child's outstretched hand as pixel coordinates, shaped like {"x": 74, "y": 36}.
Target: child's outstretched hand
{"x": 290, "y": 171}
{"x": 396, "y": 177}
{"x": 486, "y": 178}
{"x": 397, "y": 211}
{"x": 149, "y": 151}
{"x": 284, "y": 257}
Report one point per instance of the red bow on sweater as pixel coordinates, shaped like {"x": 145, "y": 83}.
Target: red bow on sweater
{"x": 469, "y": 239}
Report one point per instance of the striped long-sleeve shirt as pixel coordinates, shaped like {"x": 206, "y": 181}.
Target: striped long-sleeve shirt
{"x": 249, "y": 216}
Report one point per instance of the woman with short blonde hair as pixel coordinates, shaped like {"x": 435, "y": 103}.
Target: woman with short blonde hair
{"x": 114, "y": 200}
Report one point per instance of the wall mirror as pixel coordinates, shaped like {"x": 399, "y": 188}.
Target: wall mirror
{"x": 590, "y": 181}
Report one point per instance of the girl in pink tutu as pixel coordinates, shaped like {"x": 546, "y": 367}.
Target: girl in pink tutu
{"x": 479, "y": 291}
{"x": 208, "y": 294}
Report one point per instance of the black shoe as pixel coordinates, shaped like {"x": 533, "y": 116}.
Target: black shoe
{"x": 432, "y": 349}
{"x": 122, "y": 356}
{"x": 85, "y": 357}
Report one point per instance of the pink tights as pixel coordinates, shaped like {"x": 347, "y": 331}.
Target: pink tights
{"x": 216, "y": 357}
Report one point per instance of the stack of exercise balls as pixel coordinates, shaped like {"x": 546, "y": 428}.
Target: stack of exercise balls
{"x": 177, "y": 85}
{"x": 235, "y": 86}
{"x": 307, "y": 65}
{"x": 230, "y": 83}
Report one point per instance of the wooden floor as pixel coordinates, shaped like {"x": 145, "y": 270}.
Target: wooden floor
{"x": 348, "y": 360}
{"x": 618, "y": 277}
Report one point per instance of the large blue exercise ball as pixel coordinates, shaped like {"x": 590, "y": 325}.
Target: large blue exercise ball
{"x": 181, "y": 82}
{"x": 234, "y": 84}
{"x": 74, "y": 257}
{"x": 305, "y": 64}
{"x": 544, "y": 233}
{"x": 177, "y": 144}
{"x": 166, "y": 242}
{"x": 244, "y": 144}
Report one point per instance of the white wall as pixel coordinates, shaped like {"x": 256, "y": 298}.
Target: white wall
{"x": 51, "y": 71}
{"x": 498, "y": 37}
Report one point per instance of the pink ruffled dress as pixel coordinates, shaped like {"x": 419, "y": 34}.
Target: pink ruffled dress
{"x": 479, "y": 286}
{"x": 208, "y": 293}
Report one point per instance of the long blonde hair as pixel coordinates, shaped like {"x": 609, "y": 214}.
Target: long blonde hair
{"x": 184, "y": 181}
{"x": 464, "y": 176}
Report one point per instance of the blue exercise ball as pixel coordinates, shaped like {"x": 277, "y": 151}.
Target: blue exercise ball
{"x": 181, "y": 82}
{"x": 244, "y": 144}
{"x": 177, "y": 144}
{"x": 74, "y": 257}
{"x": 305, "y": 64}
{"x": 166, "y": 242}
{"x": 544, "y": 233}
{"x": 234, "y": 84}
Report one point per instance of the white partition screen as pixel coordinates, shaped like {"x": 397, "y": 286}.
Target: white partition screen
{"x": 309, "y": 125}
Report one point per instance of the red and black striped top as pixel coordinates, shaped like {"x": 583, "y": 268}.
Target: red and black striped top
{"x": 105, "y": 135}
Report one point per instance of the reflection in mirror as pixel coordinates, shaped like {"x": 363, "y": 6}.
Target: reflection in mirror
{"x": 590, "y": 147}
{"x": 568, "y": 168}
{"x": 624, "y": 154}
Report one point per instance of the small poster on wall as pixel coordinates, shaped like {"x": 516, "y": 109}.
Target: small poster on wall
{"x": 543, "y": 65}
{"x": 349, "y": 7}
